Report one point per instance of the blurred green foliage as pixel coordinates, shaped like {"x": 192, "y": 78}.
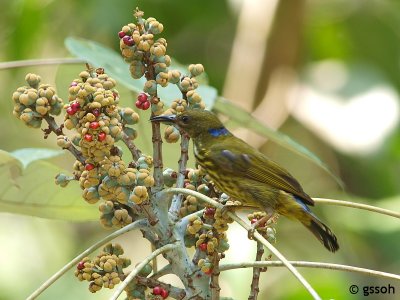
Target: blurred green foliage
{"x": 365, "y": 33}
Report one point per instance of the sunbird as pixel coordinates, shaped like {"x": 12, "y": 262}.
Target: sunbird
{"x": 247, "y": 175}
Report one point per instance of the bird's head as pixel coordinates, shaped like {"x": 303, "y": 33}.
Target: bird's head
{"x": 195, "y": 122}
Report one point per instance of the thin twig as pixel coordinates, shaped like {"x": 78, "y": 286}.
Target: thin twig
{"x": 309, "y": 264}
{"x": 177, "y": 199}
{"x": 131, "y": 146}
{"x": 135, "y": 225}
{"x": 358, "y": 205}
{"x": 254, "y": 290}
{"x": 256, "y": 235}
{"x": 53, "y": 127}
{"x": 139, "y": 267}
{"x": 39, "y": 62}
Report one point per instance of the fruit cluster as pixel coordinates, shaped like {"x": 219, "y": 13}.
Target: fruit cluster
{"x": 106, "y": 270}
{"x": 34, "y": 102}
{"x": 264, "y": 227}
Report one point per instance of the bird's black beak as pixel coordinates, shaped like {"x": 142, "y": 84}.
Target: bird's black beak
{"x": 165, "y": 119}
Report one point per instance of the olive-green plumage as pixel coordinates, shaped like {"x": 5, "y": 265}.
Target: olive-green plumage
{"x": 246, "y": 174}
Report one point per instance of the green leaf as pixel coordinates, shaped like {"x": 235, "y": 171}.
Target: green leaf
{"x": 32, "y": 191}
{"x": 246, "y": 120}
{"x": 28, "y": 155}
{"x": 100, "y": 56}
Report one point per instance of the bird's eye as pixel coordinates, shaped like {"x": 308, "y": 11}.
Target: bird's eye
{"x": 185, "y": 119}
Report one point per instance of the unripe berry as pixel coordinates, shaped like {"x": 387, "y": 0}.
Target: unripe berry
{"x": 89, "y": 167}
{"x": 88, "y": 137}
{"x": 94, "y": 125}
{"x": 157, "y": 290}
{"x": 101, "y": 137}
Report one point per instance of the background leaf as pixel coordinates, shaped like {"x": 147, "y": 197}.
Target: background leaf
{"x": 31, "y": 191}
{"x": 28, "y": 155}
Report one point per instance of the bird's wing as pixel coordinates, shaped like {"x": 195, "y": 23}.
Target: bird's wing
{"x": 254, "y": 165}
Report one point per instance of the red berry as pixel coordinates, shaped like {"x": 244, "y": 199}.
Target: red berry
{"x": 142, "y": 97}
{"x": 164, "y": 293}
{"x": 157, "y": 290}
{"x": 71, "y": 111}
{"x": 94, "y": 125}
{"x": 101, "y": 137}
{"x": 128, "y": 40}
{"x": 96, "y": 112}
{"x": 115, "y": 95}
{"x": 253, "y": 221}
{"x": 146, "y": 105}
{"x": 138, "y": 104}
{"x": 121, "y": 34}
{"x": 203, "y": 246}
{"x": 80, "y": 265}
{"x": 208, "y": 272}
{"x": 210, "y": 211}
{"x": 88, "y": 137}
{"x": 89, "y": 167}
{"x": 73, "y": 83}
{"x": 75, "y": 106}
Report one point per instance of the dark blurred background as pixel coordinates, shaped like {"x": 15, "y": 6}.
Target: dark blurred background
{"x": 326, "y": 73}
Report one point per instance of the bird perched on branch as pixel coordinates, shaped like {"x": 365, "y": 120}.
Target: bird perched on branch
{"x": 247, "y": 175}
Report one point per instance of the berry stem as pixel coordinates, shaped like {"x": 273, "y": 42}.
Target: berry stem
{"x": 131, "y": 146}
{"x": 53, "y": 127}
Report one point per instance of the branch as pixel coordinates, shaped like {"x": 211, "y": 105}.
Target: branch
{"x": 256, "y": 274}
{"x": 157, "y": 157}
{"x": 39, "y": 62}
{"x": 139, "y": 267}
{"x": 308, "y": 264}
{"x": 214, "y": 282}
{"x": 53, "y": 127}
{"x": 177, "y": 200}
{"x": 256, "y": 235}
{"x": 131, "y": 146}
{"x": 135, "y": 225}
{"x": 359, "y": 206}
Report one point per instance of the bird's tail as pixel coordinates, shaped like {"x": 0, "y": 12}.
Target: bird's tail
{"x": 322, "y": 232}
